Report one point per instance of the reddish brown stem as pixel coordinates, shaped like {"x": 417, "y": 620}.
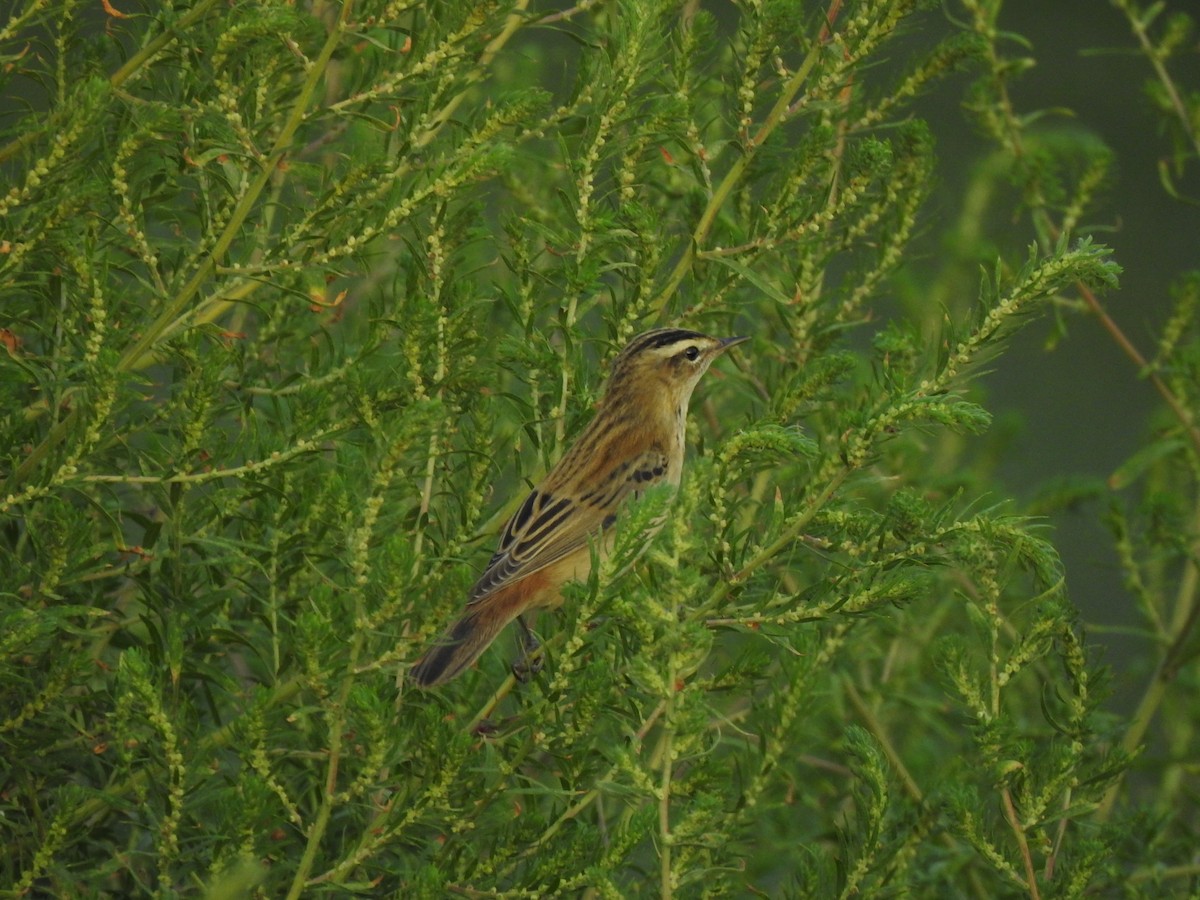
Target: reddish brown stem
{"x": 1184, "y": 415}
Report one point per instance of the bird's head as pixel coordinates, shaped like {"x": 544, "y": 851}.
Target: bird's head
{"x": 667, "y": 360}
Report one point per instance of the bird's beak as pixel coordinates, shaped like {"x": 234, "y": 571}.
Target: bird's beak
{"x": 726, "y": 343}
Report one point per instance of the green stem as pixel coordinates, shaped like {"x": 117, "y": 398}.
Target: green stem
{"x": 734, "y": 176}
{"x": 665, "y": 838}
{"x": 222, "y": 737}
{"x": 134, "y": 356}
{"x": 147, "y": 53}
{"x": 319, "y": 825}
{"x": 785, "y": 540}
{"x": 594, "y": 794}
{"x": 1186, "y": 119}
{"x": 1183, "y": 623}
{"x": 880, "y": 732}
{"x": 515, "y": 21}
{"x": 123, "y": 74}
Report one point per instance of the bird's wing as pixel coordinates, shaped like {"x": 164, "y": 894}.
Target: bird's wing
{"x": 549, "y": 525}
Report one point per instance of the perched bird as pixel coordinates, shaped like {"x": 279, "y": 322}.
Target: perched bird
{"x": 635, "y": 441}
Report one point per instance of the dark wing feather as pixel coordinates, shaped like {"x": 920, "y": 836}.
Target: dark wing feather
{"x": 547, "y": 528}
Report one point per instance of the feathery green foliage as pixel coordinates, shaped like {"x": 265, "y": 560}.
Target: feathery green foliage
{"x": 296, "y": 300}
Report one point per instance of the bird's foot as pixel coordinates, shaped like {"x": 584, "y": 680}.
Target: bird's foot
{"x": 532, "y": 657}
{"x": 528, "y": 666}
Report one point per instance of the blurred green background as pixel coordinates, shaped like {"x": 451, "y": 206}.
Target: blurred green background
{"x": 1081, "y": 408}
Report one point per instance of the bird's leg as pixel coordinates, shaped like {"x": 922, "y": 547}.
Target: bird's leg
{"x": 529, "y": 663}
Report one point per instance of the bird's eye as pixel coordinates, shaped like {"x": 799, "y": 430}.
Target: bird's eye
{"x": 691, "y": 353}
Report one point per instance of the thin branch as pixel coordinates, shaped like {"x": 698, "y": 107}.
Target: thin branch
{"x": 1010, "y": 813}
{"x": 1178, "y": 409}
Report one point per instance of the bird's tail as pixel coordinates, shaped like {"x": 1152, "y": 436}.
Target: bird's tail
{"x": 462, "y": 644}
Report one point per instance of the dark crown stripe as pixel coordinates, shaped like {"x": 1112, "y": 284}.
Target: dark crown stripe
{"x": 662, "y": 338}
